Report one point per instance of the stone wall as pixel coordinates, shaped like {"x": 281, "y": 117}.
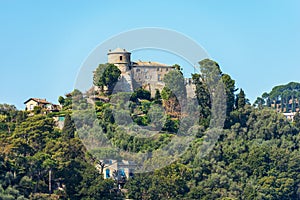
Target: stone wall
{"x": 150, "y": 77}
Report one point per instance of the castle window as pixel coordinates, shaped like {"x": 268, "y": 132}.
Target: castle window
{"x": 158, "y": 69}
{"x": 167, "y": 69}
{"x": 121, "y": 57}
{"x": 158, "y": 77}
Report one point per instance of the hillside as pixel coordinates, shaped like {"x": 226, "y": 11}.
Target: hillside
{"x": 256, "y": 155}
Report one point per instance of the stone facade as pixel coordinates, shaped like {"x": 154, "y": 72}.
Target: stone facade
{"x": 121, "y": 58}
{"x": 148, "y": 75}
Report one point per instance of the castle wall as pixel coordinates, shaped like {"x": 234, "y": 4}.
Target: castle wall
{"x": 123, "y": 67}
{"x": 190, "y": 88}
{"x": 150, "y": 77}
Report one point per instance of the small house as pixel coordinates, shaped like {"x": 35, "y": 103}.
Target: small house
{"x": 43, "y": 103}
{"x": 118, "y": 169}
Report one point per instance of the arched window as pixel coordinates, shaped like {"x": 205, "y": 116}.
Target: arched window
{"x": 121, "y": 57}
{"x": 122, "y": 172}
{"x": 107, "y": 173}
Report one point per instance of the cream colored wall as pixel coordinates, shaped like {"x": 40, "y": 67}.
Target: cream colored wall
{"x": 116, "y": 166}
{"x": 31, "y": 102}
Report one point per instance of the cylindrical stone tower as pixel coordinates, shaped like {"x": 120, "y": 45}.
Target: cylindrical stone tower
{"x": 121, "y": 58}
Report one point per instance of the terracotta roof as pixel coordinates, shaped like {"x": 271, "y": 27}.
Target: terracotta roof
{"x": 42, "y": 101}
{"x": 150, "y": 63}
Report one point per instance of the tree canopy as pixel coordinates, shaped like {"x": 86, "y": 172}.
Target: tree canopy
{"x": 282, "y": 97}
{"x": 106, "y": 75}
{"x": 256, "y": 156}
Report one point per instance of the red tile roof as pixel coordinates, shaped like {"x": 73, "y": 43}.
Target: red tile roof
{"x": 42, "y": 101}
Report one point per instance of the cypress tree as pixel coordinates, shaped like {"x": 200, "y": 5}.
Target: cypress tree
{"x": 241, "y": 99}
{"x": 69, "y": 127}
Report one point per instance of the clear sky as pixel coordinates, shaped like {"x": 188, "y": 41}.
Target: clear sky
{"x": 44, "y": 43}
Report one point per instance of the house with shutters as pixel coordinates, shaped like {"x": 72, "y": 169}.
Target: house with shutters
{"x": 43, "y": 103}
{"x": 118, "y": 169}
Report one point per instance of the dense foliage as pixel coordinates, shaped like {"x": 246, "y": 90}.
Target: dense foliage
{"x": 257, "y": 158}
{"x": 38, "y": 161}
{"x": 284, "y": 98}
{"x": 257, "y": 155}
{"x": 106, "y": 75}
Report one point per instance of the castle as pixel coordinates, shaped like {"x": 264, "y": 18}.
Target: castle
{"x": 148, "y": 75}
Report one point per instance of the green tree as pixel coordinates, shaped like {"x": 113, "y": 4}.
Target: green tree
{"x": 211, "y": 74}
{"x": 157, "y": 97}
{"x": 37, "y": 110}
{"x": 241, "y": 99}
{"x": 170, "y": 125}
{"x": 203, "y": 98}
{"x": 69, "y": 129}
{"x": 31, "y": 135}
{"x": 177, "y": 67}
{"x": 266, "y": 97}
{"x": 93, "y": 186}
{"x": 282, "y": 94}
{"x": 230, "y": 90}
{"x": 259, "y": 102}
{"x": 297, "y": 120}
{"x": 106, "y": 75}
{"x": 174, "y": 80}
{"x": 140, "y": 93}
{"x": 61, "y": 100}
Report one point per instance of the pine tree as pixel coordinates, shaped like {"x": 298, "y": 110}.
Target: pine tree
{"x": 297, "y": 120}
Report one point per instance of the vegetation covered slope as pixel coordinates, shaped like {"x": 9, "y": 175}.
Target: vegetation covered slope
{"x": 256, "y": 156}
{"x": 38, "y": 161}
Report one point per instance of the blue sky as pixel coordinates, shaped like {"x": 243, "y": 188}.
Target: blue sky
{"x": 44, "y": 43}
